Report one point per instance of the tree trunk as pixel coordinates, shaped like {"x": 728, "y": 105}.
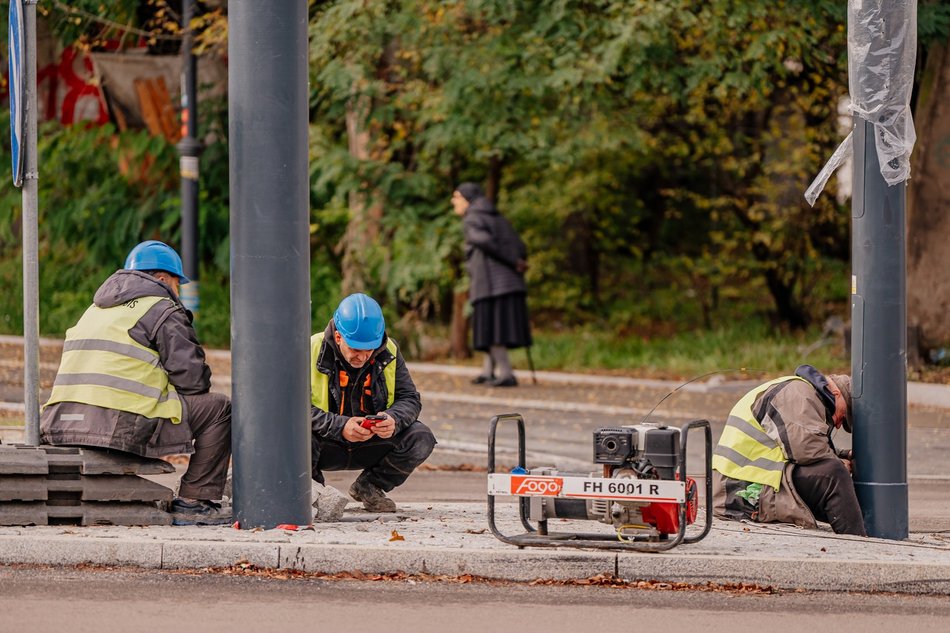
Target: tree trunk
{"x": 493, "y": 185}
{"x": 789, "y": 307}
{"x": 928, "y": 198}
{"x": 459, "y": 327}
{"x": 366, "y": 207}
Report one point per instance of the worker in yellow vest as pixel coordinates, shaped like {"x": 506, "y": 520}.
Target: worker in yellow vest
{"x": 133, "y": 378}
{"x": 776, "y": 461}
{"x": 365, "y": 409}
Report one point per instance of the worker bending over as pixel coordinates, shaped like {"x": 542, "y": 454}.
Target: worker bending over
{"x": 775, "y": 461}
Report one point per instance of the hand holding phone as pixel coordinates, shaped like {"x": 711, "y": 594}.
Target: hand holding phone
{"x": 370, "y": 421}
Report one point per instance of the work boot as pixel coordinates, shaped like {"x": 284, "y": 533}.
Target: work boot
{"x": 200, "y": 512}
{"x": 328, "y": 503}
{"x": 373, "y": 498}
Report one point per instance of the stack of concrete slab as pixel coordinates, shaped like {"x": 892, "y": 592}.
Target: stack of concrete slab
{"x": 61, "y": 485}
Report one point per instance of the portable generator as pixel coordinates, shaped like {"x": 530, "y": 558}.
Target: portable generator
{"x": 641, "y": 489}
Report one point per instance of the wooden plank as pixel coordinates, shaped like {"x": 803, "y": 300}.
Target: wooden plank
{"x": 85, "y": 488}
{"x": 166, "y": 110}
{"x": 50, "y": 449}
{"x": 86, "y": 513}
{"x": 23, "y": 488}
{"x": 64, "y": 463}
{"x": 18, "y": 459}
{"x": 124, "y": 514}
{"x": 150, "y": 113}
{"x": 122, "y": 488}
{"x": 95, "y": 513}
{"x": 22, "y": 462}
{"x": 106, "y": 462}
{"x": 23, "y": 514}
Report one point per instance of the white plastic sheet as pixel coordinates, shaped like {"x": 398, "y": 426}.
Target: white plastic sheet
{"x": 882, "y": 52}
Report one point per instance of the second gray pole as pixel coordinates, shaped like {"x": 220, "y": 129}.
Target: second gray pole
{"x": 189, "y": 150}
{"x": 31, "y": 258}
{"x": 878, "y": 342}
{"x": 270, "y": 261}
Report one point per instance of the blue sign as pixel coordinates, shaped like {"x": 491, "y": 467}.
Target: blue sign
{"x": 16, "y": 42}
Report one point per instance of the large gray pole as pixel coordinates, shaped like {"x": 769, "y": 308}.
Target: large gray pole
{"x": 189, "y": 150}
{"x": 878, "y": 342}
{"x": 31, "y": 260}
{"x": 270, "y": 261}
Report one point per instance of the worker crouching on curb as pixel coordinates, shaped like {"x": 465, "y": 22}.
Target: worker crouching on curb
{"x": 357, "y": 371}
{"x": 133, "y": 378}
{"x": 775, "y": 461}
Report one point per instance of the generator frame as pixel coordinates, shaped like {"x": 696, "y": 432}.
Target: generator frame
{"x": 540, "y": 536}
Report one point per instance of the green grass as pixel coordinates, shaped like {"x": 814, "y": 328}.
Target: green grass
{"x": 752, "y": 346}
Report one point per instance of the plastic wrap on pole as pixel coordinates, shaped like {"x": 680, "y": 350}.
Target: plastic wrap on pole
{"x": 882, "y": 52}
{"x": 841, "y": 154}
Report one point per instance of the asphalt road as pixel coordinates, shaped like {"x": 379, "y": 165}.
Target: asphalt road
{"x": 96, "y": 601}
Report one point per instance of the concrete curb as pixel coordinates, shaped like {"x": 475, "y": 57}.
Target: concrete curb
{"x": 502, "y": 564}
{"x": 451, "y": 539}
{"x": 66, "y": 551}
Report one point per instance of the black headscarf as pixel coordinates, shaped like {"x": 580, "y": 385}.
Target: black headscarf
{"x": 469, "y": 191}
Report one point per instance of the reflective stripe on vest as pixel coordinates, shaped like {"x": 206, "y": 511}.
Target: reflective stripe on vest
{"x": 745, "y": 451}
{"x": 320, "y": 382}
{"x": 103, "y": 366}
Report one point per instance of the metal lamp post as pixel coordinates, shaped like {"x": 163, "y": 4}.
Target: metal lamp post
{"x": 270, "y": 261}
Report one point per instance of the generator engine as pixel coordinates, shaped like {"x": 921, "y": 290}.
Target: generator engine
{"x": 634, "y": 456}
{"x": 640, "y": 489}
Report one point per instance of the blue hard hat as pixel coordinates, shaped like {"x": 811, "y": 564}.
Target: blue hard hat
{"x": 359, "y": 320}
{"x": 155, "y": 255}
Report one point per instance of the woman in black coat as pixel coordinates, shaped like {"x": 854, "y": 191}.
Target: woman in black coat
{"x": 496, "y": 259}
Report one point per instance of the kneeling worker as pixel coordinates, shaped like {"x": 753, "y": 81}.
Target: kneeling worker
{"x": 133, "y": 378}
{"x": 775, "y": 461}
{"x": 357, "y": 373}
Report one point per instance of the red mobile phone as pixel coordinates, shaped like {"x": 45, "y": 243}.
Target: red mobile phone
{"x": 370, "y": 421}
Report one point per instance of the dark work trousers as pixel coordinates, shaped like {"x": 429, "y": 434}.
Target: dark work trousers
{"x": 209, "y": 416}
{"x": 827, "y": 489}
{"x": 385, "y": 463}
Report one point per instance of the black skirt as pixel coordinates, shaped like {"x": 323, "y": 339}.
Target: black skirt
{"x": 501, "y": 321}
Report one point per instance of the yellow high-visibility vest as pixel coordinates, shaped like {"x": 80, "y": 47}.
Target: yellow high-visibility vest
{"x": 103, "y": 366}
{"x": 320, "y": 382}
{"x": 745, "y": 451}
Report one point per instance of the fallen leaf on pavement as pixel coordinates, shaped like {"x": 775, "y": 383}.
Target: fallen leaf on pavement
{"x": 459, "y": 468}
{"x": 396, "y": 536}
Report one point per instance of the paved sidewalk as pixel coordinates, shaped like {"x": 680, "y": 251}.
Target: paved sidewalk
{"x": 449, "y": 534}
{"x": 453, "y": 539}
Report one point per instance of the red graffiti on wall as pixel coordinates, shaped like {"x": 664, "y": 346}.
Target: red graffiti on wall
{"x": 66, "y": 90}
{"x": 81, "y": 98}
